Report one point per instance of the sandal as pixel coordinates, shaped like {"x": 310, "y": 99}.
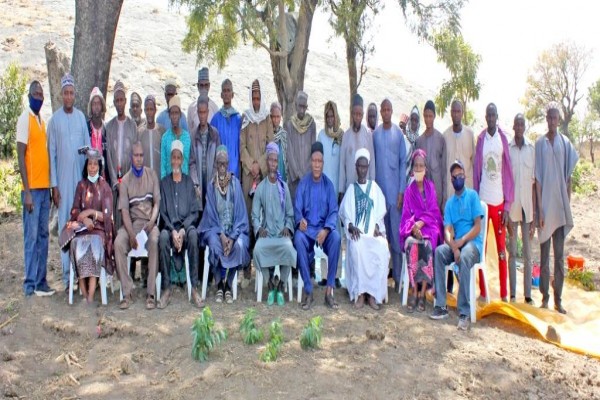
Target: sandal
{"x": 307, "y": 300}
{"x": 126, "y": 302}
{"x": 421, "y": 304}
{"x": 330, "y": 302}
{"x": 228, "y": 297}
{"x": 410, "y": 307}
{"x": 219, "y": 298}
{"x": 150, "y": 303}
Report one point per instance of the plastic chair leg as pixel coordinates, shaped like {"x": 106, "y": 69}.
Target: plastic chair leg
{"x": 103, "y": 286}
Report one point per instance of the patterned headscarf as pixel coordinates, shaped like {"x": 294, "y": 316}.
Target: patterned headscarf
{"x": 272, "y": 148}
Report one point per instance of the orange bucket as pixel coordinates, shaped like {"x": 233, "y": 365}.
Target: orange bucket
{"x": 575, "y": 263}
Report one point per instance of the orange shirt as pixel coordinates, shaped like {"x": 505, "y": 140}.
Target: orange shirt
{"x": 37, "y": 159}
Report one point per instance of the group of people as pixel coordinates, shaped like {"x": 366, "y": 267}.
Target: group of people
{"x": 252, "y": 190}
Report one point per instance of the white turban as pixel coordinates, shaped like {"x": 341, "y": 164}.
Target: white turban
{"x": 362, "y": 153}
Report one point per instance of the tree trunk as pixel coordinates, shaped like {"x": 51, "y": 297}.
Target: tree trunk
{"x": 565, "y": 126}
{"x": 95, "y": 31}
{"x": 288, "y": 72}
{"x": 592, "y": 150}
{"x": 58, "y": 64}
{"x": 351, "y": 52}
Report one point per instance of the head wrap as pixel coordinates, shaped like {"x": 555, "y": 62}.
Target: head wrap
{"x": 135, "y": 98}
{"x": 404, "y": 118}
{"x": 203, "y": 74}
{"x": 221, "y": 150}
{"x": 177, "y": 145}
{"x": 316, "y": 146}
{"x": 96, "y": 93}
{"x": 251, "y": 116}
{"x": 430, "y": 105}
{"x": 336, "y": 133}
{"x": 413, "y": 134}
{"x": 93, "y": 154}
{"x": 119, "y": 87}
{"x": 151, "y": 98}
{"x": 362, "y": 153}
{"x": 175, "y": 102}
{"x": 272, "y": 148}
{"x": 357, "y": 100}
{"x": 418, "y": 153}
{"x": 67, "y": 80}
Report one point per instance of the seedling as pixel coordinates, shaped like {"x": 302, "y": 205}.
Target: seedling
{"x": 206, "y": 337}
{"x": 311, "y": 334}
{"x": 248, "y": 329}
{"x": 271, "y": 352}
{"x": 586, "y": 278}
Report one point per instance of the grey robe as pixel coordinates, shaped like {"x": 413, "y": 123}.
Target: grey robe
{"x": 435, "y": 147}
{"x": 351, "y": 142}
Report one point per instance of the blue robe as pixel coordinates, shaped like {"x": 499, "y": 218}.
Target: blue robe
{"x": 211, "y": 227}
{"x": 229, "y": 130}
{"x": 66, "y": 134}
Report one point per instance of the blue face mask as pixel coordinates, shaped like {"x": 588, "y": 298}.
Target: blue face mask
{"x": 458, "y": 183}
{"x": 94, "y": 178}
{"x": 35, "y": 104}
{"x": 137, "y": 172}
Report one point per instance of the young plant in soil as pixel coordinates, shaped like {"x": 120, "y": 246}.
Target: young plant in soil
{"x": 585, "y": 278}
{"x": 271, "y": 352}
{"x": 311, "y": 334}
{"x": 248, "y": 328}
{"x": 206, "y": 337}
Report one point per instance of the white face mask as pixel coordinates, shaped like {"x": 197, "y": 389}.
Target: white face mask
{"x": 94, "y": 178}
{"x": 419, "y": 176}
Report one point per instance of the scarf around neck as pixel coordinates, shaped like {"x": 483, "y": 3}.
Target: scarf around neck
{"x": 335, "y": 133}
{"x": 301, "y": 125}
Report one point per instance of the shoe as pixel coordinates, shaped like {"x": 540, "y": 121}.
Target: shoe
{"x": 307, "y": 300}
{"x": 323, "y": 282}
{"x": 126, "y": 302}
{"x": 165, "y": 299}
{"x": 338, "y": 283}
{"x": 560, "y": 309}
{"x": 513, "y": 299}
{"x": 439, "y": 313}
{"x": 505, "y": 299}
{"x": 150, "y": 302}
{"x": 463, "y": 323}
{"x": 330, "y": 301}
{"x": 197, "y": 299}
{"x": 228, "y": 296}
{"x": 529, "y": 300}
{"x": 44, "y": 291}
{"x": 29, "y": 293}
{"x": 280, "y": 294}
{"x": 271, "y": 297}
{"x": 219, "y": 296}
{"x": 544, "y": 304}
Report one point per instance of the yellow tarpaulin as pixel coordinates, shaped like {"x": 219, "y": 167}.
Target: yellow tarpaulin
{"x": 578, "y": 331}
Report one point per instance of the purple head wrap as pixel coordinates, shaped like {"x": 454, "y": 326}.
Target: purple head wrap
{"x": 273, "y": 148}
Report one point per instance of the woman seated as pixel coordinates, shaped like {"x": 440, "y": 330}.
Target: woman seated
{"x": 91, "y": 222}
{"x": 421, "y": 230}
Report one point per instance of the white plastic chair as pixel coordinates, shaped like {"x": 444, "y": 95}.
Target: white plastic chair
{"x": 102, "y": 284}
{"x": 205, "y": 277}
{"x": 258, "y": 283}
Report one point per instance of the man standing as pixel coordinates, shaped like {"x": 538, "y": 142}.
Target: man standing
{"x": 460, "y": 145}
{"x": 356, "y": 137}
{"x": 434, "y": 145}
{"x": 175, "y": 132}
{"x": 229, "y": 124}
{"x": 121, "y": 133}
{"x": 135, "y": 110}
{"x": 555, "y": 160}
{"x": 523, "y": 208}
{"x": 257, "y": 131}
{"x": 203, "y": 86}
{"x": 139, "y": 203}
{"x": 315, "y": 214}
{"x": 150, "y": 134}
{"x": 164, "y": 118}
{"x": 224, "y": 227}
{"x": 302, "y": 133}
{"x": 179, "y": 210}
{"x": 280, "y": 137}
{"x": 68, "y": 136}
{"x": 372, "y": 117}
{"x": 273, "y": 222}
{"x": 362, "y": 210}
{"x": 493, "y": 181}
{"x": 462, "y": 226}
{"x": 34, "y": 167}
{"x": 390, "y": 150}
{"x": 95, "y": 111}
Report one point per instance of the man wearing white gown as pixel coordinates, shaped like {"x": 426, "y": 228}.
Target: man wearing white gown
{"x": 362, "y": 211}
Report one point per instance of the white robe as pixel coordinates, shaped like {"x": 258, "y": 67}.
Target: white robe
{"x": 368, "y": 257}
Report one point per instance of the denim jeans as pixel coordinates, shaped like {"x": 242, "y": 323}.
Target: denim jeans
{"x": 469, "y": 256}
{"x": 35, "y": 240}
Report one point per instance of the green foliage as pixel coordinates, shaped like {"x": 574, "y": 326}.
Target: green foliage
{"x": 271, "y": 352}
{"x": 462, "y": 63}
{"x": 594, "y": 98}
{"x": 556, "y": 76}
{"x": 205, "y": 337}
{"x": 582, "y": 179}
{"x": 12, "y": 90}
{"x": 425, "y": 17}
{"x": 10, "y": 186}
{"x": 310, "y": 338}
{"x": 585, "y": 278}
{"x": 248, "y": 328}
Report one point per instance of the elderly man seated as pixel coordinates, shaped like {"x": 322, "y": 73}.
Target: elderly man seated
{"x": 362, "y": 211}
{"x": 316, "y": 214}
{"x": 224, "y": 226}
{"x": 273, "y": 222}
{"x": 179, "y": 211}
{"x": 139, "y": 200}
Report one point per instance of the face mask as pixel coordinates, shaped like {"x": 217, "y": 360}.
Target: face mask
{"x": 94, "y": 178}
{"x": 35, "y": 104}
{"x": 419, "y": 176}
{"x": 458, "y": 183}
{"x": 137, "y": 172}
